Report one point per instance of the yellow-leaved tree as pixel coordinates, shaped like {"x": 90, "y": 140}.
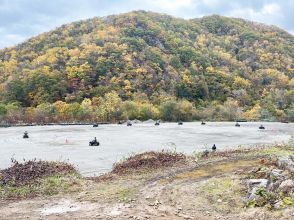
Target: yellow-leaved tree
{"x": 254, "y": 114}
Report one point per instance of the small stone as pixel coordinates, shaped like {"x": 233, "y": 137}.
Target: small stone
{"x": 157, "y": 202}
{"x": 127, "y": 205}
{"x": 251, "y": 195}
{"x": 277, "y": 172}
{"x": 219, "y": 200}
{"x": 184, "y": 216}
{"x": 278, "y": 204}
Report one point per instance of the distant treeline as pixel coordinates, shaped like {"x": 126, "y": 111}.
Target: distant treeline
{"x": 111, "y": 108}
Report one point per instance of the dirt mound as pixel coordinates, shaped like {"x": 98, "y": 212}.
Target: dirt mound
{"x": 29, "y": 171}
{"x": 149, "y": 121}
{"x": 148, "y": 160}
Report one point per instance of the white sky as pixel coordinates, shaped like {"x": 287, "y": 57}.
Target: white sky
{"x": 22, "y": 19}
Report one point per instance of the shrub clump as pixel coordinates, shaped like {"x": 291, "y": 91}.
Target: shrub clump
{"x": 29, "y": 172}
{"x": 149, "y": 160}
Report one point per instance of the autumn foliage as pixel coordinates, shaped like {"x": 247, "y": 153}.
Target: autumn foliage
{"x": 148, "y": 65}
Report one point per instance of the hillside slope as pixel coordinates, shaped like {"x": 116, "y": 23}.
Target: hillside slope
{"x": 207, "y": 61}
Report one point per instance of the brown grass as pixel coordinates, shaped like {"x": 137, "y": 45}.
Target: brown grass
{"x": 19, "y": 174}
{"x": 148, "y": 160}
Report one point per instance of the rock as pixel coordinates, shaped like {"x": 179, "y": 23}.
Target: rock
{"x": 278, "y": 204}
{"x": 277, "y": 173}
{"x": 205, "y": 153}
{"x": 185, "y": 216}
{"x": 127, "y": 205}
{"x": 262, "y": 173}
{"x": 135, "y": 217}
{"x": 252, "y": 183}
{"x": 274, "y": 185}
{"x": 253, "y": 186}
{"x": 251, "y": 195}
{"x": 282, "y": 161}
{"x": 157, "y": 202}
{"x": 286, "y": 186}
{"x": 276, "y": 177}
{"x": 286, "y": 163}
{"x": 219, "y": 200}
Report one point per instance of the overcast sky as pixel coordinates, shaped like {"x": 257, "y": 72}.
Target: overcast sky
{"x": 22, "y": 19}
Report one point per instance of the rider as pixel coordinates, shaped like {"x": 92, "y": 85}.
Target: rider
{"x": 25, "y": 134}
{"x": 213, "y": 148}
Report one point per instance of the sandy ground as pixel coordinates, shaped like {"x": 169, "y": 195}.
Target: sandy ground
{"x": 70, "y": 143}
{"x": 213, "y": 190}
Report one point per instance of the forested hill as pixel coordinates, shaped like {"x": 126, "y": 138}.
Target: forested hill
{"x": 149, "y": 64}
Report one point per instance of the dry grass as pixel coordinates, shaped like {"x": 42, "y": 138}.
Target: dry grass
{"x": 19, "y": 174}
{"x": 148, "y": 160}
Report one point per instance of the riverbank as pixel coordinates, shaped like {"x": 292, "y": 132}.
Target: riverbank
{"x": 51, "y": 124}
{"x": 191, "y": 187}
{"x": 135, "y": 121}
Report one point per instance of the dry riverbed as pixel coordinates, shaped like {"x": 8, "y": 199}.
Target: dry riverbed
{"x": 178, "y": 187}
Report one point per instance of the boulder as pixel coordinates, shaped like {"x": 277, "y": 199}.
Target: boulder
{"x": 256, "y": 196}
{"x": 286, "y": 163}
{"x": 286, "y": 186}
{"x": 253, "y": 186}
{"x": 252, "y": 183}
{"x": 262, "y": 173}
{"x": 273, "y": 186}
{"x": 277, "y": 174}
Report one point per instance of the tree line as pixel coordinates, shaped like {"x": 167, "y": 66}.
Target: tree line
{"x": 111, "y": 108}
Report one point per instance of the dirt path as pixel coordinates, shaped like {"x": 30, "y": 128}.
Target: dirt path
{"x": 211, "y": 191}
